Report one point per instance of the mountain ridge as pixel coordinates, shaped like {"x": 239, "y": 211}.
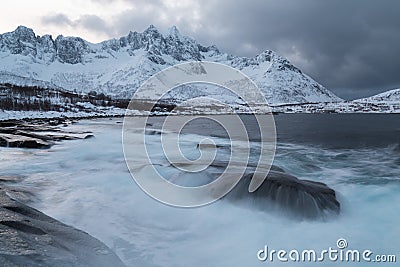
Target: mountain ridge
{"x": 388, "y": 96}
{"x": 117, "y": 67}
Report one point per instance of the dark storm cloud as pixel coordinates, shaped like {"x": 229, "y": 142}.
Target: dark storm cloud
{"x": 351, "y": 47}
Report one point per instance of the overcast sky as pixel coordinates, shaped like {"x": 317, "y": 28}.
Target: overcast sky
{"x": 351, "y": 47}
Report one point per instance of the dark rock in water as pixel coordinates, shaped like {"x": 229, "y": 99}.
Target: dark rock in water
{"x": 30, "y": 238}
{"x": 10, "y": 140}
{"x": 10, "y": 179}
{"x": 277, "y": 169}
{"x": 36, "y": 135}
{"x": 153, "y": 132}
{"x": 302, "y": 198}
{"x": 209, "y": 145}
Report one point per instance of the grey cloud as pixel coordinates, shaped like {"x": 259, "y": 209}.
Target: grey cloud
{"x": 90, "y": 22}
{"x": 57, "y": 19}
{"x": 93, "y": 22}
{"x": 351, "y": 47}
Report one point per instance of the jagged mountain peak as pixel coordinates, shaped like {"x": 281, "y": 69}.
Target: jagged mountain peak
{"x": 174, "y": 31}
{"x": 275, "y": 59}
{"x": 152, "y": 32}
{"x": 268, "y": 57}
{"x": 71, "y": 49}
{"x": 151, "y": 28}
{"x": 24, "y": 31}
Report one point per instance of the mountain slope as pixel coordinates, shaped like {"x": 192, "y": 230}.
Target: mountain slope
{"x": 389, "y": 96}
{"x": 117, "y": 67}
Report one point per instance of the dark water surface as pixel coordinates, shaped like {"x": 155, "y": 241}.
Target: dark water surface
{"x": 324, "y": 130}
{"x": 339, "y": 130}
{"x": 85, "y": 183}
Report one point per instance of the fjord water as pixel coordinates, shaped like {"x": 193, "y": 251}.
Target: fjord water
{"x": 85, "y": 183}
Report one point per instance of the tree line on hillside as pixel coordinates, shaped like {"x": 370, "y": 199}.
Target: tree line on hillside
{"x": 26, "y": 98}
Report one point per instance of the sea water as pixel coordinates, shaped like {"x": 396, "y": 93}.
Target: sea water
{"x": 86, "y": 184}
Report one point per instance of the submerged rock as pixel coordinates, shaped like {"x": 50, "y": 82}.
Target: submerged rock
{"x": 30, "y": 238}
{"x": 278, "y": 191}
{"x": 301, "y": 198}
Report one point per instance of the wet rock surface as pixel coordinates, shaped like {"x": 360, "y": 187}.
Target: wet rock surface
{"x": 30, "y": 238}
{"x": 303, "y": 199}
{"x": 37, "y": 133}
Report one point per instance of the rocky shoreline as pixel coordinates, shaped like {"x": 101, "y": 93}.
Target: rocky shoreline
{"x": 37, "y": 133}
{"x": 28, "y": 237}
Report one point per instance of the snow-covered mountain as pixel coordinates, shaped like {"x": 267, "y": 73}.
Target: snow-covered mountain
{"x": 117, "y": 67}
{"x": 388, "y": 97}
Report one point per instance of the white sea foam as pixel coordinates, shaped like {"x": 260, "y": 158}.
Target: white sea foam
{"x": 85, "y": 183}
